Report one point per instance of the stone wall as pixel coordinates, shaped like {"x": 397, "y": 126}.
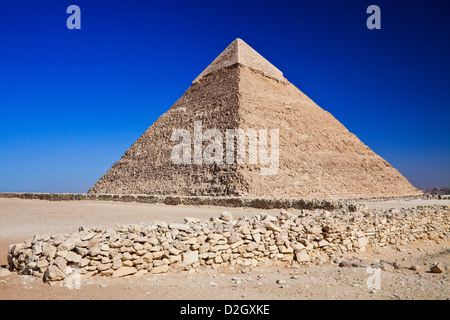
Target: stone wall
{"x": 260, "y": 203}
{"x": 312, "y": 237}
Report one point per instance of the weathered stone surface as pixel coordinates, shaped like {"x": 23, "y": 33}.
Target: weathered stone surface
{"x": 127, "y": 263}
{"x": 53, "y": 273}
{"x": 124, "y": 271}
{"x": 49, "y": 250}
{"x": 191, "y": 220}
{"x": 190, "y": 257}
{"x": 353, "y": 264}
{"x": 68, "y": 244}
{"x": 73, "y": 257}
{"x": 153, "y": 241}
{"x": 87, "y": 236}
{"x": 43, "y": 263}
{"x": 302, "y": 256}
{"x": 104, "y": 266}
{"x": 160, "y": 269}
{"x": 84, "y": 262}
{"x": 226, "y": 216}
{"x": 94, "y": 251}
{"x": 179, "y": 226}
{"x": 323, "y": 243}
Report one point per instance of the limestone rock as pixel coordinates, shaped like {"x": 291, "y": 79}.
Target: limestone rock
{"x": 226, "y": 216}
{"x": 437, "y": 268}
{"x": 124, "y": 271}
{"x": 190, "y": 257}
{"x": 352, "y": 264}
{"x": 160, "y": 269}
{"x": 302, "y": 256}
{"x": 73, "y": 257}
{"x": 53, "y": 273}
{"x": 68, "y": 244}
{"x": 179, "y": 226}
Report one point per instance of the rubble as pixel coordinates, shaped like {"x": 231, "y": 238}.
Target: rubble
{"x": 310, "y": 237}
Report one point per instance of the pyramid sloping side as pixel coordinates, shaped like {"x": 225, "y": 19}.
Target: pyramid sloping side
{"x": 318, "y": 156}
{"x": 147, "y": 167}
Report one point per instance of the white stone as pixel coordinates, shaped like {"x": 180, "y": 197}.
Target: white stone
{"x": 190, "y": 257}
{"x": 226, "y": 216}
{"x": 179, "y": 226}
{"x": 124, "y": 271}
{"x": 73, "y": 257}
{"x": 302, "y": 256}
{"x": 160, "y": 269}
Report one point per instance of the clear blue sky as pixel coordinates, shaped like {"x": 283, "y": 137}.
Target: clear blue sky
{"x": 73, "y": 101}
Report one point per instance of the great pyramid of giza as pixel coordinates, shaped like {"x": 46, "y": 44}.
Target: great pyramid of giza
{"x": 317, "y": 156}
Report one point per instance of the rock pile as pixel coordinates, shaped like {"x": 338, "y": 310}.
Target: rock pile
{"x": 310, "y": 237}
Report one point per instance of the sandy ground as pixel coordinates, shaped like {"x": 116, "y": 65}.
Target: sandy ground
{"x": 21, "y": 219}
{"x": 398, "y": 204}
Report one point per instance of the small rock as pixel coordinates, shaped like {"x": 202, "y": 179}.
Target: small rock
{"x": 160, "y": 269}
{"x": 179, "y": 226}
{"x": 437, "y": 268}
{"x": 192, "y": 220}
{"x": 352, "y": 264}
{"x": 140, "y": 273}
{"x": 323, "y": 243}
{"x": 73, "y": 257}
{"x": 53, "y": 273}
{"x": 302, "y": 256}
{"x": 190, "y": 257}
{"x": 68, "y": 245}
{"x": 103, "y": 266}
{"x": 226, "y": 216}
{"x": 61, "y": 263}
{"x": 94, "y": 251}
{"x": 124, "y": 271}
{"x": 87, "y": 236}
{"x": 84, "y": 262}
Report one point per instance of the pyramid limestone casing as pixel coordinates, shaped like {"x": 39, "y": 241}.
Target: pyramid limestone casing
{"x": 240, "y": 52}
{"x": 318, "y": 156}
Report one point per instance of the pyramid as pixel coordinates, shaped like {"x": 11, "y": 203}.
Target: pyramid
{"x": 317, "y": 156}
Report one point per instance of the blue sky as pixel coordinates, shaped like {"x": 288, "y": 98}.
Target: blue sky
{"x": 73, "y": 101}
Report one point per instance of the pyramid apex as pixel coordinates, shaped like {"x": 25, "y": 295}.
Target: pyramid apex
{"x": 240, "y": 52}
